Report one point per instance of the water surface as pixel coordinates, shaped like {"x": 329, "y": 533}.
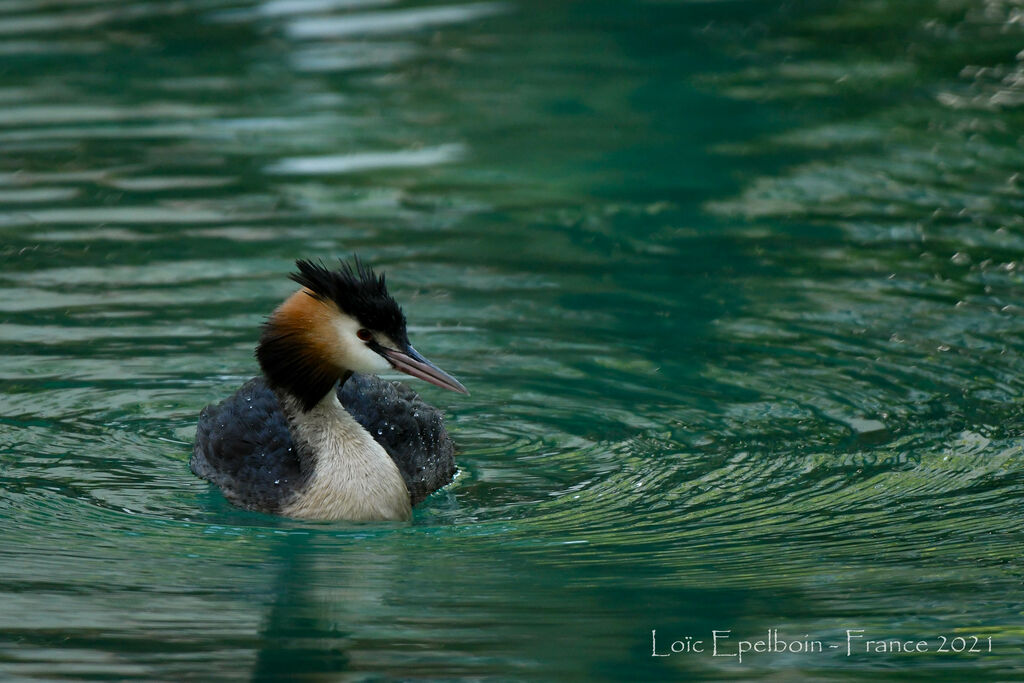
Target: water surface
{"x": 736, "y": 288}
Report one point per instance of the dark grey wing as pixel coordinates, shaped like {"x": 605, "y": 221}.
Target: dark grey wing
{"x": 243, "y": 446}
{"x": 410, "y": 430}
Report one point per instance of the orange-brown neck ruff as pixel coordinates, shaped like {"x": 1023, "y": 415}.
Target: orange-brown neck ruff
{"x": 295, "y": 348}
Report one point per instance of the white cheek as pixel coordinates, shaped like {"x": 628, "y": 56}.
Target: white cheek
{"x": 353, "y": 353}
{"x": 365, "y": 360}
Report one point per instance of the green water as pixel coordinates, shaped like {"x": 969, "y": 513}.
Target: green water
{"x": 736, "y": 287}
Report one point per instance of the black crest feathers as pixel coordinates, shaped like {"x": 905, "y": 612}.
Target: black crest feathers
{"x": 358, "y": 291}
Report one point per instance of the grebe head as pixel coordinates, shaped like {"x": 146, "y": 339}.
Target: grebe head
{"x": 341, "y": 321}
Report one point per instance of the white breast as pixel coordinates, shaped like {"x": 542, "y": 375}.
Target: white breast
{"x": 353, "y": 476}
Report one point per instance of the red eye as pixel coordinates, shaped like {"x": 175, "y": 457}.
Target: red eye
{"x": 364, "y": 334}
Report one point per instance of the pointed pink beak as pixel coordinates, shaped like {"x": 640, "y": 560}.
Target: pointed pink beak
{"x": 412, "y": 363}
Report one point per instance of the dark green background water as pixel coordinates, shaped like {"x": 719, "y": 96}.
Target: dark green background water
{"x": 736, "y": 287}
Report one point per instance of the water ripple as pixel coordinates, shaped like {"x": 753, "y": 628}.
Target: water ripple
{"x": 366, "y": 161}
{"x": 391, "y": 22}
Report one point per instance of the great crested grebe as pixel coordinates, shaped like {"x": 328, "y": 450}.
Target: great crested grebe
{"x": 314, "y": 439}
